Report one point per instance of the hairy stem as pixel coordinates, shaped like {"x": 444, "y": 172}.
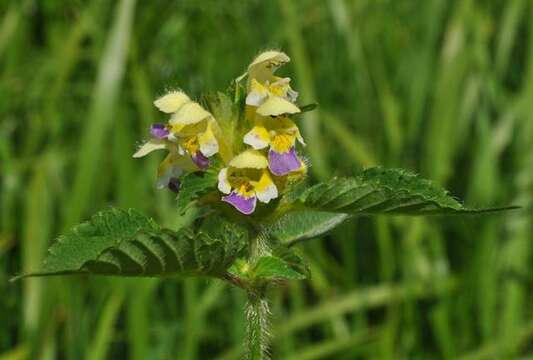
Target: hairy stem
{"x": 258, "y": 327}
{"x": 257, "y": 309}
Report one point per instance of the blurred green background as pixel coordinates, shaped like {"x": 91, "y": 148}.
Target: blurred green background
{"x": 440, "y": 87}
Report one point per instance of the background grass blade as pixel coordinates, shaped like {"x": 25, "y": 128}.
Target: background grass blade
{"x": 100, "y": 116}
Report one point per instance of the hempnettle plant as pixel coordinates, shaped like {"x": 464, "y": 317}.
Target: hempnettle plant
{"x": 236, "y": 156}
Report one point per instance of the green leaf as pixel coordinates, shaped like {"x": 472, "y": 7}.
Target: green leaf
{"x": 192, "y": 186}
{"x": 292, "y": 259}
{"x": 385, "y": 191}
{"x": 124, "y": 242}
{"x": 274, "y": 268}
{"x": 302, "y": 225}
{"x": 281, "y": 264}
{"x": 307, "y": 108}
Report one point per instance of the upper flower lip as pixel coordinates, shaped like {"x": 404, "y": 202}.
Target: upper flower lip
{"x": 264, "y": 64}
{"x": 271, "y": 56}
{"x": 275, "y": 106}
{"x": 172, "y": 102}
{"x": 189, "y": 113}
{"x": 249, "y": 159}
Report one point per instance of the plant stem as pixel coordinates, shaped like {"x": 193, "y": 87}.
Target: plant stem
{"x": 257, "y": 309}
{"x": 258, "y": 329}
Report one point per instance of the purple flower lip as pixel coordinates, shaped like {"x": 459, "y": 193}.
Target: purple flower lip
{"x": 245, "y": 205}
{"x": 200, "y": 160}
{"x": 159, "y": 131}
{"x": 281, "y": 164}
{"x": 174, "y": 185}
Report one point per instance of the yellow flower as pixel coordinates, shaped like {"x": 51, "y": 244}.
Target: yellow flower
{"x": 272, "y": 99}
{"x": 246, "y": 180}
{"x": 280, "y": 135}
{"x": 191, "y": 129}
{"x": 171, "y": 168}
{"x": 271, "y": 95}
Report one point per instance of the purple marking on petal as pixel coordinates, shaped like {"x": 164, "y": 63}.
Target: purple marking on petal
{"x": 283, "y": 163}
{"x": 159, "y": 131}
{"x": 200, "y": 160}
{"x": 174, "y": 185}
{"x": 245, "y": 205}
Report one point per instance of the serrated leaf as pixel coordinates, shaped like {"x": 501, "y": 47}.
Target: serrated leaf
{"x": 274, "y": 268}
{"x": 126, "y": 243}
{"x": 385, "y": 191}
{"x": 302, "y": 225}
{"x": 193, "y": 185}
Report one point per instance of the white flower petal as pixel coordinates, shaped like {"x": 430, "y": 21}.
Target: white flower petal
{"x": 257, "y": 93}
{"x": 292, "y": 95}
{"x": 170, "y": 167}
{"x": 258, "y": 138}
{"x": 255, "y": 98}
{"x": 223, "y": 184}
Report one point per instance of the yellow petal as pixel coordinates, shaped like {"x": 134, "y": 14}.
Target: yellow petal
{"x": 150, "y": 146}
{"x": 282, "y": 143}
{"x": 171, "y": 102}
{"x": 284, "y": 123}
{"x": 287, "y": 125}
{"x": 258, "y": 137}
{"x": 276, "y": 105}
{"x": 257, "y": 93}
{"x": 249, "y": 159}
{"x": 190, "y": 113}
{"x": 208, "y": 142}
{"x": 280, "y": 87}
{"x": 265, "y": 189}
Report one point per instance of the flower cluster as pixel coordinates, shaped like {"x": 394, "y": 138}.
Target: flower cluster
{"x": 265, "y": 152}
{"x": 188, "y": 136}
